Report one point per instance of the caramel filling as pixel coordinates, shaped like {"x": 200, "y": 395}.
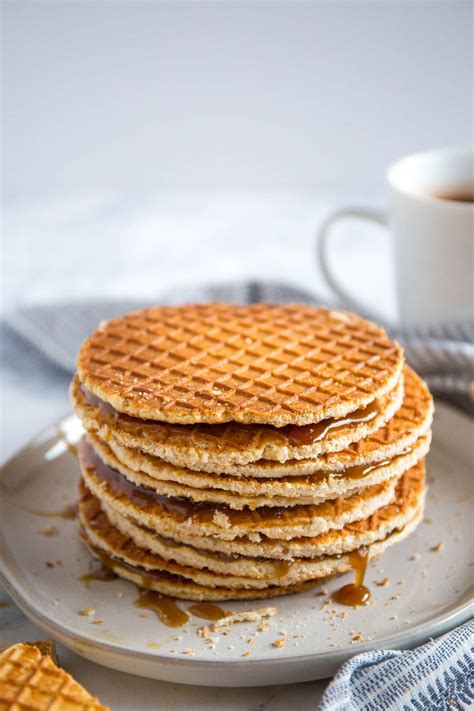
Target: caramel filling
{"x": 181, "y": 509}
{"x": 294, "y": 435}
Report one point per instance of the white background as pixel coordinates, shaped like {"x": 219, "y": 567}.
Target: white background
{"x": 141, "y": 96}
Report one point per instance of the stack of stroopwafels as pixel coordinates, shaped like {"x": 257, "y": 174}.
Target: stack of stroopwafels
{"x": 239, "y": 452}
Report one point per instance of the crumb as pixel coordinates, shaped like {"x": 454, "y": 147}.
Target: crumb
{"x": 438, "y": 547}
{"x": 263, "y": 627}
{"x": 339, "y": 316}
{"x": 250, "y": 640}
{"x": 246, "y": 654}
{"x": 383, "y": 583}
{"x": 221, "y": 519}
{"x": 427, "y": 519}
{"x": 246, "y": 616}
{"x": 402, "y": 581}
{"x": 87, "y": 612}
{"x": 173, "y": 651}
{"x": 48, "y": 564}
{"x": 49, "y": 531}
{"x": 279, "y": 643}
{"x": 357, "y": 637}
{"x": 96, "y": 622}
{"x": 144, "y": 615}
{"x": 415, "y": 556}
{"x": 189, "y": 651}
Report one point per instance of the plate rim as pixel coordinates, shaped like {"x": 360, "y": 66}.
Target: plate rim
{"x": 16, "y": 585}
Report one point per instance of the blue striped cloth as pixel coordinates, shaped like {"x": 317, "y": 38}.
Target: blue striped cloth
{"x": 437, "y": 676}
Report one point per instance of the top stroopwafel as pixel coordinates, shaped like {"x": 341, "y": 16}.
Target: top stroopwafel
{"x": 216, "y": 363}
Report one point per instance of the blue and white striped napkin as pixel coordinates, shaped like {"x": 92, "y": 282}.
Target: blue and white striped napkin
{"x": 438, "y": 676}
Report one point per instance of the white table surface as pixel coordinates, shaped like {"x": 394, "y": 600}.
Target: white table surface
{"x": 87, "y": 246}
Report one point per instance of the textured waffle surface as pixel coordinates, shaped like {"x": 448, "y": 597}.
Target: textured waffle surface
{"x": 30, "y": 681}
{"x": 217, "y": 363}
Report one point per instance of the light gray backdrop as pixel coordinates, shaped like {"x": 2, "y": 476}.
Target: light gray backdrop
{"x": 138, "y": 96}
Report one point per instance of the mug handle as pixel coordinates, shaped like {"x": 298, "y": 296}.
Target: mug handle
{"x": 363, "y": 213}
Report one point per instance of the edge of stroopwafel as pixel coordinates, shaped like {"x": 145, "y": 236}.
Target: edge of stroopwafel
{"x": 285, "y": 557}
{"x": 214, "y": 363}
{"x": 246, "y": 493}
{"x": 140, "y": 566}
{"x": 168, "y": 515}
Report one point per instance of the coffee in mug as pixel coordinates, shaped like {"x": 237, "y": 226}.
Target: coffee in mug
{"x": 431, "y": 220}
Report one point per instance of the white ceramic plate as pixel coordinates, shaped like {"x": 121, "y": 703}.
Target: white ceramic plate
{"x": 427, "y": 593}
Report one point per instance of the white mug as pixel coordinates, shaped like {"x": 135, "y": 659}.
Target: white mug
{"x": 432, "y": 237}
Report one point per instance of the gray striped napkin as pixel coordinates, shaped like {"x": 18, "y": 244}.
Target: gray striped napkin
{"x": 443, "y": 355}
{"x": 437, "y": 676}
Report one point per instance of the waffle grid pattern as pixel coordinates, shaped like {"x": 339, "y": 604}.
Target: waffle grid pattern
{"x": 30, "y": 681}
{"x": 217, "y": 362}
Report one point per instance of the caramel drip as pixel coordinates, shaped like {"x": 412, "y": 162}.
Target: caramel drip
{"x": 281, "y": 568}
{"x": 308, "y": 434}
{"x": 69, "y": 512}
{"x": 98, "y": 572}
{"x": 207, "y": 611}
{"x": 72, "y": 448}
{"x": 355, "y": 594}
{"x": 295, "y": 435}
{"x": 165, "y": 608}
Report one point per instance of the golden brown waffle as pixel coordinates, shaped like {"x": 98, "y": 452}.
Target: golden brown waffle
{"x": 239, "y": 493}
{"x": 286, "y": 557}
{"x": 111, "y": 546}
{"x": 217, "y": 363}
{"x": 182, "y": 588}
{"x": 168, "y": 515}
{"x": 30, "y": 681}
{"x": 216, "y": 448}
